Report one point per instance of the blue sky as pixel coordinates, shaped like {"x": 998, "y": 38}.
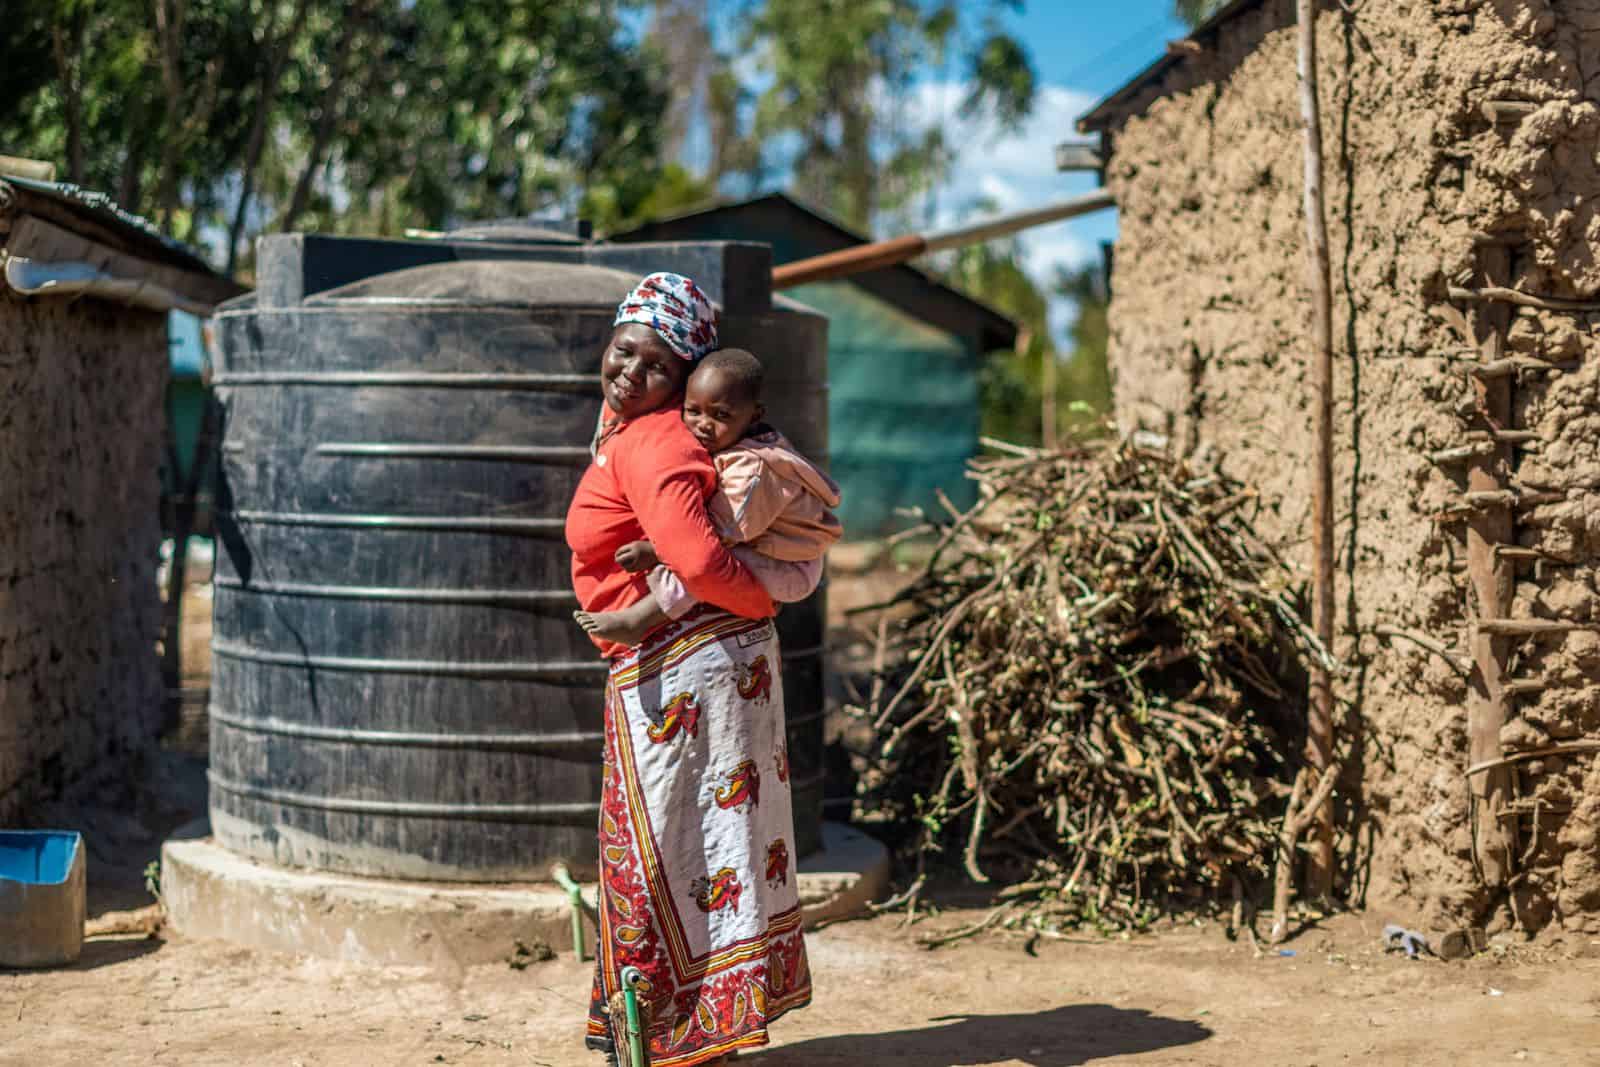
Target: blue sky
{"x": 1081, "y": 51}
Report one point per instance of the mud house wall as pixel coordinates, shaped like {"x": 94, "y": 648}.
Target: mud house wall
{"x": 1209, "y": 321}
{"x": 80, "y": 444}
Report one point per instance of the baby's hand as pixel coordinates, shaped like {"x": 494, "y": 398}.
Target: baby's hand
{"x": 637, "y": 556}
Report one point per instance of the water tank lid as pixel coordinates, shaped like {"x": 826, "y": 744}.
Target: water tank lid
{"x": 522, "y": 231}
{"x": 478, "y": 282}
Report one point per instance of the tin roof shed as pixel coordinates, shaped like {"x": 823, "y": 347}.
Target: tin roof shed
{"x": 85, "y": 290}
{"x": 903, "y": 355}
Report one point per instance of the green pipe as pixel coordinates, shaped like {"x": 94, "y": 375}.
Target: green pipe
{"x": 631, "y": 978}
{"x": 563, "y": 879}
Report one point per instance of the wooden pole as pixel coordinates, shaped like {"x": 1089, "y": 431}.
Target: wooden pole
{"x": 896, "y": 250}
{"x": 1319, "y": 733}
{"x": 1489, "y": 528}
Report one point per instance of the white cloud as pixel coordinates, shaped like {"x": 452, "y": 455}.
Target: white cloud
{"x": 995, "y": 170}
{"x": 1000, "y": 171}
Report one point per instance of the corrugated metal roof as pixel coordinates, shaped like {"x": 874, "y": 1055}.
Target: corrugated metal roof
{"x": 100, "y": 206}
{"x": 29, "y": 207}
{"x": 1114, "y": 106}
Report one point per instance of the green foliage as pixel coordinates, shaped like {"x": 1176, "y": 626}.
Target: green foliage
{"x": 1085, "y": 381}
{"x": 842, "y": 72}
{"x": 224, "y": 119}
{"x": 373, "y": 115}
{"x": 1194, "y": 12}
{"x": 1011, "y": 384}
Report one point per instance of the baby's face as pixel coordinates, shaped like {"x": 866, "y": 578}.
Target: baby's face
{"x": 717, "y": 409}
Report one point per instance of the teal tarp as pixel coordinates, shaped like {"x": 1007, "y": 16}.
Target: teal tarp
{"x": 902, "y": 408}
{"x": 186, "y": 396}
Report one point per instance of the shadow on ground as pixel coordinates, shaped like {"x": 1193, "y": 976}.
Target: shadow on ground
{"x": 1060, "y": 1037}
{"x": 101, "y": 952}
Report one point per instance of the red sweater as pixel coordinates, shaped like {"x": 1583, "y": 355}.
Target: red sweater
{"x": 649, "y": 482}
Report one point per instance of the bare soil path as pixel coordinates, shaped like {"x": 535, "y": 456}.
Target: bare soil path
{"x": 1186, "y": 996}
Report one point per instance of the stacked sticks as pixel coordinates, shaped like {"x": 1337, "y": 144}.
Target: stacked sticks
{"x": 1093, "y": 690}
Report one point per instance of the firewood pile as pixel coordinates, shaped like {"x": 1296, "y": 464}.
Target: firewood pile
{"x": 1091, "y": 692}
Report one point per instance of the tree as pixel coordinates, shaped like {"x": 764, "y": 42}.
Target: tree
{"x": 280, "y": 33}
{"x": 114, "y": 91}
{"x": 1086, "y": 378}
{"x": 841, "y": 71}
{"x": 1012, "y": 385}
{"x": 1194, "y": 12}
{"x": 228, "y": 117}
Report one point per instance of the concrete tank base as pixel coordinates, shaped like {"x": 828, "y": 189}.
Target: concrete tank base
{"x": 212, "y": 892}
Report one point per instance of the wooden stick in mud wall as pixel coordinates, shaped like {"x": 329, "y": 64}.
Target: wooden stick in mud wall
{"x": 1319, "y": 732}
{"x": 1491, "y": 577}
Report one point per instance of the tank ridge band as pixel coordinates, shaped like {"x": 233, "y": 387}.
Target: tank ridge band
{"x": 509, "y": 597}
{"x": 567, "y": 810}
{"x": 412, "y": 739}
{"x": 802, "y": 720}
{"x": 576, "y": 673}
{"x": 476, "y": 524}
{"x": 580, "y": 383}
{"x": 797, "y": 783}
{"x": 563, "y": 455}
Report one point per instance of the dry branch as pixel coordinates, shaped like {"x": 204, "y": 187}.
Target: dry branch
{"x": 1091, "y": 694}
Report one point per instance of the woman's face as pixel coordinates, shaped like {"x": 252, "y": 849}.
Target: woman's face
{"x": 639, "y": 373}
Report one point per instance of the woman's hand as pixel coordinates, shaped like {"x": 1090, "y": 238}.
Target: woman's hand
{"x": 637, "y": 556}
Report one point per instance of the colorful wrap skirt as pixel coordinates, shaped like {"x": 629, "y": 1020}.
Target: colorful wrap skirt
{"x": 697, "y": 878}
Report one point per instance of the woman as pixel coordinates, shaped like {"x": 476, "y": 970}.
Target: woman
{"x": 696, "y": 828}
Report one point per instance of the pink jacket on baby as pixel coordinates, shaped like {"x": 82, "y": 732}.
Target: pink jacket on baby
{"x": 771, "y": 498}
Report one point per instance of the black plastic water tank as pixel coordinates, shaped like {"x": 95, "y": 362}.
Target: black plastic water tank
{"x": 398, "y": 687}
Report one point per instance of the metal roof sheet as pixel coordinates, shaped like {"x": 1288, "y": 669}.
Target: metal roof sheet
{"x": 1114, "y": 106}
{"x": 93, "y": 217}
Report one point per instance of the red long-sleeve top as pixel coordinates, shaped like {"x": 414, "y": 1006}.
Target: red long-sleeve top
{"x": 649, "y": 481}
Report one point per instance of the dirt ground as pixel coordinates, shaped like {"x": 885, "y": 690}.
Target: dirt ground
{"x": 1187, "y": 996}
{"x": 1182, "y": 996}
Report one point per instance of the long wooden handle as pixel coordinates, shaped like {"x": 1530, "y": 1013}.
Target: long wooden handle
{"x": 896, "y": 250}
{"x": 857, "y": 260}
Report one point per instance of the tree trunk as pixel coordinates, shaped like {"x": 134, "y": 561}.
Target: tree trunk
{"x": 856, "y": 150}
{"x": 328, "y": 116}
{"x": 169, "y": 31}
{"x": 276, "y": 50}
{"x": 69, "y": 62}
{"x": 130, "y": 186}
{"x": 679, "y": 29}
{"x": 188, "y": 484}
{"x": 1319, "y": 733}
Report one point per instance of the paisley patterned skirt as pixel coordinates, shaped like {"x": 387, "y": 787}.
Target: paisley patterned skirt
{"x": 697, "y": 880}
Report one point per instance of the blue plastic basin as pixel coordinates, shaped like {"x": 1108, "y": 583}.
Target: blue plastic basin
{"x": 42, "y": 897}
{"x": 38, "y": 857}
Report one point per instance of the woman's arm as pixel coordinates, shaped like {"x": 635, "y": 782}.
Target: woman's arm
{"x": 666, "y": 482}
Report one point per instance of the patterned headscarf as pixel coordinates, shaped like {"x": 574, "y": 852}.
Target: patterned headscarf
{"x": 675, "y": 308}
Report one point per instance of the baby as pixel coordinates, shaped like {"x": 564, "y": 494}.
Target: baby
{"x": 772, "y": 507}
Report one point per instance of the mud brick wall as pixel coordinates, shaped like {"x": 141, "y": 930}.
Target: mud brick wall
{"x": 81, "y": 387}
{"x": 1209, "y": 327}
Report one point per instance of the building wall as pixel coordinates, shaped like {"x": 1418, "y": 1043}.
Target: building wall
{"x": 80, "y": 444}
{"x": 1209, "y": 342}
